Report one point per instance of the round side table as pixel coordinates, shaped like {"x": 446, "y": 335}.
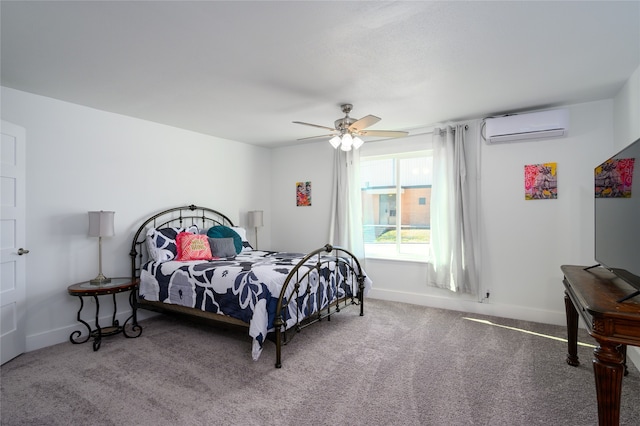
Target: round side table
{"x": 115, "y": 286}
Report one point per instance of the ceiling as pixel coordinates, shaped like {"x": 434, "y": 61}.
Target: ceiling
{"x": 245, "y": 70}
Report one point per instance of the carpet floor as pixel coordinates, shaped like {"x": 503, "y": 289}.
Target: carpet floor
{"x": 400, "y": 364}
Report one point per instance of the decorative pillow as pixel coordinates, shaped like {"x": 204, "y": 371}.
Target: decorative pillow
{"x": 161, "y": 243}
{"x": 193, "y": 246}
{"x": 222, "y": 247}
{"x": 222, "y": 231}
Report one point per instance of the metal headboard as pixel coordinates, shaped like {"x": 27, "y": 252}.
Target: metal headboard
{"x": 184, "y": 216}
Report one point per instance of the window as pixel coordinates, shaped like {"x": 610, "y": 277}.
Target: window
{"x": 396, "y": 202}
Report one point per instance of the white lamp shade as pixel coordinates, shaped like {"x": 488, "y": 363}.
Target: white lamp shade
{"x": 357, "y": 142}
{"x": 256, "y": 219}
{"x": 347, "y": 140}
{"x": 101, "y": 224}
{"x": 335, "y": 141}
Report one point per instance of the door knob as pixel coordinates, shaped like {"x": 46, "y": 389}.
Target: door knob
{"x": 22, "y": 251}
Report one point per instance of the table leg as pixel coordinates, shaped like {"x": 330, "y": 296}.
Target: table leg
{"x": 114, "y": 321}
{"x": 623, "y": 351}
{"x": 97, "y": 339}
{"x": 608, "y": 366}
{"x": 135, "y": 328}
{"x": 572, "y": 331}
{"x": 78, "y": 333}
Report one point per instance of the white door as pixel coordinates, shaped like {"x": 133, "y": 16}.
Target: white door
{"x": 12, "y": 239}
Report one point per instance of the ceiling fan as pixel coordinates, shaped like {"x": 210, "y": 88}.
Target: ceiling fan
{"x": 347, "y": 130}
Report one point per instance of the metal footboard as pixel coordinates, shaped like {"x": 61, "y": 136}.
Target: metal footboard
{"x": 298, "y": 285}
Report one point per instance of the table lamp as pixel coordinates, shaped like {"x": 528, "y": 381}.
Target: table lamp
{"x": 101, "y": 225}
{"x": 256, "y": 221}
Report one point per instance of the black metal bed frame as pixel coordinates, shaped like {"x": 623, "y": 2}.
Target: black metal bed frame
{"x": 206, "y": 217}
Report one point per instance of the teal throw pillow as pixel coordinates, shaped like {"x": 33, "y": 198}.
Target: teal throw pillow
{"x": 222, "y": 231}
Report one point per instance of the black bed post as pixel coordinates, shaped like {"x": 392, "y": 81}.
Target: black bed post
{"x": 361, "y": 278}
{"x": 277, "y": 323}
{"x": 133, "y": 254}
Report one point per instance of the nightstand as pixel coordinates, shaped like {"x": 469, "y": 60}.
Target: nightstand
{"x": 115, "y": 286}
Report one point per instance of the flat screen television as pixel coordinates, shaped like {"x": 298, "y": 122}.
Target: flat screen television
{"x": 617, "y": 216}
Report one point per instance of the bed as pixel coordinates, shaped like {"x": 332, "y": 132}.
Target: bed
{"x": 193, "y": 261}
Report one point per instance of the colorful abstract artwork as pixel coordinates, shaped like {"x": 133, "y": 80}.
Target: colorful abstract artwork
{"x": 541, "y": 181}
{"x": 613, "y": 178}
{"x": 303, "y": 193}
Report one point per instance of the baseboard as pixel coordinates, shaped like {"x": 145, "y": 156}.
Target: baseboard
{"x": 633, "y": 355}
{"x": 472, "y": 306}
{"x": 61, "y": 335}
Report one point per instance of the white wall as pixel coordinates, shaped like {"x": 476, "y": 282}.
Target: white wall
{"x": 301, "y": 228}
{"x": 523, "y": 243}
{"x": 626, "y": 111}
{"x": 81, "y": 159}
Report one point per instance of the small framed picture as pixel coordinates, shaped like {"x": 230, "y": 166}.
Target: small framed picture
{"x": 303, "y": 194}
{"x": 541, "y": 181}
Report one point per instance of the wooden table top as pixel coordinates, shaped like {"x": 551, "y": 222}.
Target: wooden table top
{"x": 599, "y": 290}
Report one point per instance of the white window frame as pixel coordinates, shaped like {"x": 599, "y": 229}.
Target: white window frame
{"x": 396, "y": 253}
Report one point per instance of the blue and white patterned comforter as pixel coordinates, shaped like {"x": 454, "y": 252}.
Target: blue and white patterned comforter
{"x": 246, "y": 287}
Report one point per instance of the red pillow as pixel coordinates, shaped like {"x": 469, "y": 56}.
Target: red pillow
{"x": 193, "y": 247}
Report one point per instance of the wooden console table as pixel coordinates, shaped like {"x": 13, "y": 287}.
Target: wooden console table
{"x": 593, "y": 294}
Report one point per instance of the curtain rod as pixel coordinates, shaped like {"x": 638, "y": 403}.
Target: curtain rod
{"x": 439, "y": 130}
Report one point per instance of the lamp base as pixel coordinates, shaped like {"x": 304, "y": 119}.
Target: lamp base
{"x": 100, "y": 279}
{"x": 256, "y": 238}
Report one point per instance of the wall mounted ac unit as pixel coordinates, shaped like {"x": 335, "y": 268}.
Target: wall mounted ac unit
{"x": 532, "y": 125}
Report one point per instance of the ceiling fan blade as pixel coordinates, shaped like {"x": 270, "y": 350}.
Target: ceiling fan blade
{"x": 317, "y": 137}
{"x": 383, "y": 133}
{"x": 315, "y": 125}
{"x": 364, "y": 122}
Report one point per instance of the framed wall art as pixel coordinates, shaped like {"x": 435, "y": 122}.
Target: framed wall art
{"x": 614, "y": 178}
{"x": 541, "y": 181}
{"x": 303, "y": 194}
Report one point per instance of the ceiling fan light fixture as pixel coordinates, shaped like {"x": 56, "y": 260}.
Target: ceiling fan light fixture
{"x": 335, "y": 141}
{"x": 347, "y": 142}
{"x": 357, "y": 142}
{"x": 345, "y": 128}
{"x": 347, "y": 139}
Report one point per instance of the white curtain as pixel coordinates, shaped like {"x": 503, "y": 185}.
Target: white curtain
{"x": 451, "y": 259}
{"x": 346, "y": 209}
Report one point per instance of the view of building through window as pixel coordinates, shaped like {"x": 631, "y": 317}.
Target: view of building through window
{"x": 396, "y": 203}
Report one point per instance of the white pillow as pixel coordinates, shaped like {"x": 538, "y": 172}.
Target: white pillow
{"x": 246, "y": 246}
{"x": 241, "y": 231}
